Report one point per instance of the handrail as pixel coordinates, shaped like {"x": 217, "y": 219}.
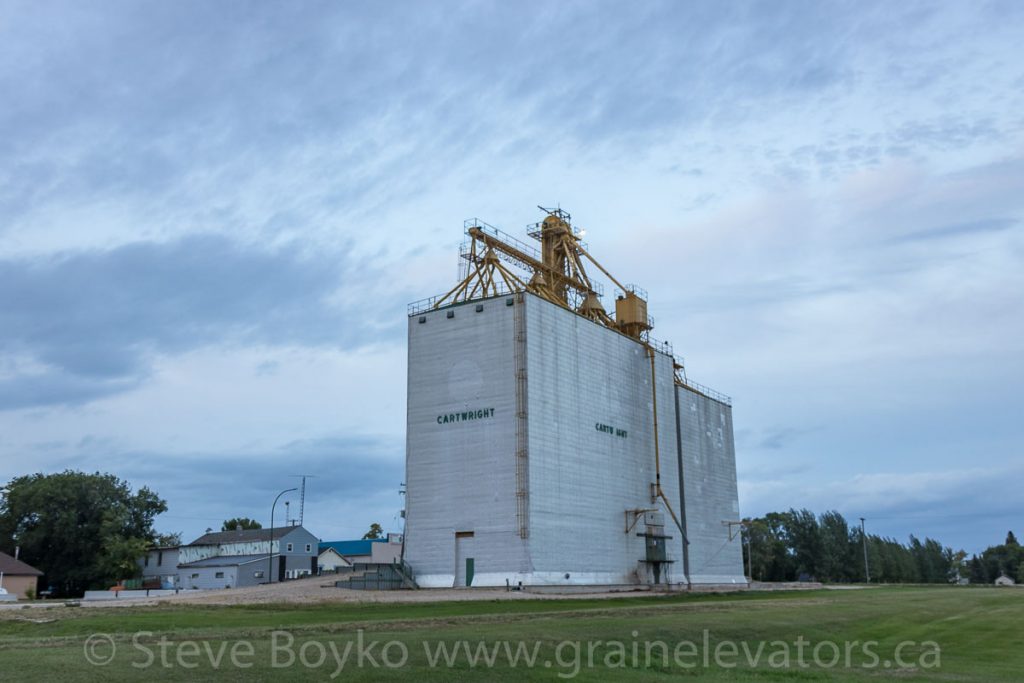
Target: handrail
{"x": 429, "y": 304}
{"x": 707, "y": 391}
{"x": 503, "y": 236}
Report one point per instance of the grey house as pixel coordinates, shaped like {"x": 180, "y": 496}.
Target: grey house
{"x": 160, "y": 564}
{"x": 229, "y": 559}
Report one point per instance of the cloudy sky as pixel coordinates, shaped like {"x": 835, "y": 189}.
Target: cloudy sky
{"x": 212, "y": 216}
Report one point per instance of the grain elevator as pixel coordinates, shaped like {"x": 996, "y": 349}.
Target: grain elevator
{"x": 551, "y": 441}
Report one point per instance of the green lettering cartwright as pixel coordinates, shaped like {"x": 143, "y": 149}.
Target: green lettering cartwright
{"x": 465, "y": 416}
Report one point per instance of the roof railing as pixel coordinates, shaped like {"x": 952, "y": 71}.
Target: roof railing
{"x": 708, "y": 391}
{"x": 430, "y": 303}
{"x": 660, "y": 345}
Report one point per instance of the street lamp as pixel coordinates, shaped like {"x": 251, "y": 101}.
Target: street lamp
{"x": 270, "y": 550}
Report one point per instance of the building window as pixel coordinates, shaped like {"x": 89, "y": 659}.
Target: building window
{"x": 219, "y": 575}
{"x": 258, "y": 574}
{"x": 147, "y": 560}
{"x": 309, "y": 547}
{"x": 289, "y": 547}
{"x": 159, "y": 558}
{"x": 195, "y": 576}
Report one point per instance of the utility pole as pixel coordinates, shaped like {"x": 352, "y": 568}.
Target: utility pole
{"x": 864, "y": 538}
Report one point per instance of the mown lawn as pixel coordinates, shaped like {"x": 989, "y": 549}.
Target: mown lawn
{"x": 950, "y": 634}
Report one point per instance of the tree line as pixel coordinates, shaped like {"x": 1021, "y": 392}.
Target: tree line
{"x": 88, "y": 531}
{"x": 998, "y": 560}
{"x": 799, "y": 545}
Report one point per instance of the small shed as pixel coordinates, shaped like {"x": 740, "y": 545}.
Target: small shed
{"x": 19, "y": 579}
{"x": 1004, "y": 580}
{"x": 330, "y": 560}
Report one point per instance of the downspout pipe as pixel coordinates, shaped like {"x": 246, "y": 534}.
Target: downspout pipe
{"x": 657, "y": 456}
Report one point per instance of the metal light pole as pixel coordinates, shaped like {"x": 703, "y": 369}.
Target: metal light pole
{"x": 270, "y": 550}
{"x": 864, "y": 538}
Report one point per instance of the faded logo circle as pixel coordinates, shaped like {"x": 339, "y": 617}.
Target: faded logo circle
{"x": 99, "y": 649}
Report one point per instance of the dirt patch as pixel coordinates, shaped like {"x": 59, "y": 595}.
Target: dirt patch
{"x": 320, "y": 590}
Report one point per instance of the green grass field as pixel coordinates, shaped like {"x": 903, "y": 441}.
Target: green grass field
{"x": 942, "y": 634}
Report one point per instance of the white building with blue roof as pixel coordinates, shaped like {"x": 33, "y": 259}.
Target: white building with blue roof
{"x": 364, "y": 551}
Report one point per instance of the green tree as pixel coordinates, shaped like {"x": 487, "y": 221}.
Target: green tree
{"x": 1003, "y": 559}
{"x": 81, "y": 530}
{"x": 792, "y": 544}
{"x": 168, "y": 540}
{"x": 120, "y": 555}
{"x": 239, "y": 524}
{"x": 883, "y": 565}
{"x": 976, "y": 570}
{"x": 376, "y": 531}
{"x": 804, "y": 538}
{"x": 930, "y": 559}
{"x": 1011, "y": 539}
{"x": 782, "y": 565}
{"x": 836, "y": 561}
{"x": 957, "y": 564}
{"x": 765, "y": 538}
